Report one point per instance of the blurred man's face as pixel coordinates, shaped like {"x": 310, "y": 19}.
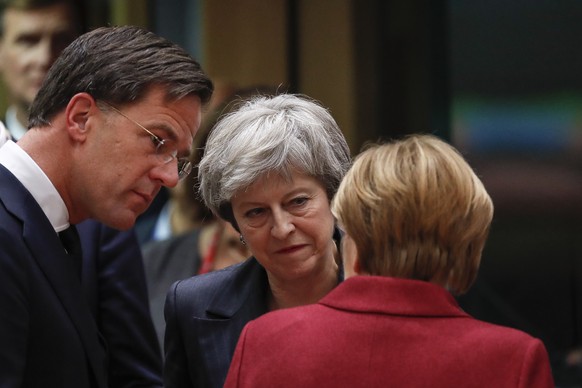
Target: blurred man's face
{"x": 32, "y": 41}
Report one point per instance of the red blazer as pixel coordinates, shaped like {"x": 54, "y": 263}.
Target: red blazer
{"x": 385, "y": 332}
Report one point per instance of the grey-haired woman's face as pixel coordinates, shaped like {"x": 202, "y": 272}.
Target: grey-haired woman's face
{"x": 287, "y": 225}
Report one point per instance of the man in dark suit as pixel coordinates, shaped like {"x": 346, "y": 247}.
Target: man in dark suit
{"x": 32, "y": 35}
{"x": 86, "y": 155}
{"x": 113, "y": 284}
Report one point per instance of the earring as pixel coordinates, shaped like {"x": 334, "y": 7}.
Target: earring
{"x": 242, "y": 240}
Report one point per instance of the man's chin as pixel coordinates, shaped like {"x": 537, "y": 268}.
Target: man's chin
{"x": 121, "y": 222}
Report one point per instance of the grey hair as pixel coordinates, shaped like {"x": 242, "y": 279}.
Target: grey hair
{"x": 271, "y": 135}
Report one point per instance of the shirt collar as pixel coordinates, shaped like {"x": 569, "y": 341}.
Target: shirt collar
{"x": 25, "y": 169}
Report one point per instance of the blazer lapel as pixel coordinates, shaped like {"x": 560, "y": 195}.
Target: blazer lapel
{"x": 247, "y": 285}
{"x": 47, "y": 250}
{"x": 60, "y": 272}
{"x": 242, "y": 300}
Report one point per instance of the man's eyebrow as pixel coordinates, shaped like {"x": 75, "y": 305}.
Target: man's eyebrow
{"x": 169, "y": 133}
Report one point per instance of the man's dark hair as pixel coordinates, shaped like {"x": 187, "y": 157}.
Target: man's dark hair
{"x": 118, "y": 65}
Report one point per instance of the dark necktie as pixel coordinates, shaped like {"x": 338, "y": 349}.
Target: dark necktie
{"x": 72, "y": 244}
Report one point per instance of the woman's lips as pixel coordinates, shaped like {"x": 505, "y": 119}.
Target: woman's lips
{"x": 291, "y": 249}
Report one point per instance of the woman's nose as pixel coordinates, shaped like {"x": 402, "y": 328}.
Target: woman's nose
{"x": 282, "y": 224}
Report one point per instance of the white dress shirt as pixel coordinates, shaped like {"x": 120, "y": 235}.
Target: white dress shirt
{"x": 36, "y": 182}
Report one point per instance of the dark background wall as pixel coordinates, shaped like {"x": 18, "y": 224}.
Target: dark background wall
{"x": 516, "y": 110}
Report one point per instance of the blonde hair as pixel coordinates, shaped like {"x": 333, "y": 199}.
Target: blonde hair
{"x": 415, "y": 209}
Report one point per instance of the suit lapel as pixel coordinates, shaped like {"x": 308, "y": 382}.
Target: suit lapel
{"x": 242, "y": 299}
{"x": 247, "y": 285}
{"x": 46, "y": 248}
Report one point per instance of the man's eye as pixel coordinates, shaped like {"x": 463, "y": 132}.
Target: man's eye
{"x": 166, "y": 147}
{"x": 27, "y": 40}
{"x": 158, "y": 145}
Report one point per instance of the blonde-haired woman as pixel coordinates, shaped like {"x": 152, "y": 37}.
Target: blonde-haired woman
{"x": 416, "y": 218}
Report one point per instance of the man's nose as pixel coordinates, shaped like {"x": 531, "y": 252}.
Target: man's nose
{"x": 166, "y": 173}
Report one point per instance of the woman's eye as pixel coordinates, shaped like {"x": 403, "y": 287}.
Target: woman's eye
{"x": 299, "y": 201}
{"x": 253, "y": 213}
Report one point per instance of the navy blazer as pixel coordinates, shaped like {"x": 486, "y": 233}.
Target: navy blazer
{"x": 55, "y": 332}
{"x": 205, "y": 315}
{"x": 48, "y": 337}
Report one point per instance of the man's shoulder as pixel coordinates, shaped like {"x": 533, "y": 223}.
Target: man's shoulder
{"x": 14, "y": 198}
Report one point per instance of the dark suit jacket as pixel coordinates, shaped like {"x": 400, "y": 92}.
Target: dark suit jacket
{"x": 114, "y": 285}
{"x": 204, "y": 317}
{"x": 48, "y": 337}
{"x": 55, "y": 332}
{"x": 375, "y": 331}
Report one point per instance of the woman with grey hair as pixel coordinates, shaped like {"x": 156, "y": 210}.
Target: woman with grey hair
{"x": 270, "y": 168}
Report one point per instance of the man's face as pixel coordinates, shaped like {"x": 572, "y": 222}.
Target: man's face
{"x": 31, "y": 42}
{"x": 116, "y": 172}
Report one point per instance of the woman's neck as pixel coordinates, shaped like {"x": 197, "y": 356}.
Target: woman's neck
{"x": 285, "y": 294}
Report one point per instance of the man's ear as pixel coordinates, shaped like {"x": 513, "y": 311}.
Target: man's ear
{"x": 77, "y": 113}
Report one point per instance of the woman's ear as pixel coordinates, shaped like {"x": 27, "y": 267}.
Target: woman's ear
{"x": 77, "y": 113}
{"x": 350, "y": 256}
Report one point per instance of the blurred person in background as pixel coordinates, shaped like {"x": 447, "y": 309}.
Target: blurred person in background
{"x": 32, "y": 35}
